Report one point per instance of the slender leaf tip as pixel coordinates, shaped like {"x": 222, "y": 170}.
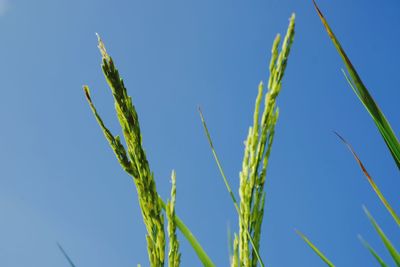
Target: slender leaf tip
{"x": 71, "y": 263}
{"x": 315, "y": 249}
{"x": 87, "y": 93}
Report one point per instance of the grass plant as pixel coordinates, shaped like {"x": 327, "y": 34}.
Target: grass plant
{"x": 255, "y": 160}
{"x": 389, "y": 138}
{"x": 135, "y": 163}
{"x": 133, "y": 160}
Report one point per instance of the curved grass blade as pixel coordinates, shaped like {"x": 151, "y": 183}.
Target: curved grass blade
{"x": 373, "y": 252}
{"x": 66, "y": 255}
{"x": 228, "y": 187}
{"x": 388, "y": 244}
{"x": 316, "y": 250}
{"x": 365, "y": 97}
{"x": 371, "y": 181}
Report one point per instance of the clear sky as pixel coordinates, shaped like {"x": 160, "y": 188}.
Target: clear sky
{"x": 60, "y": 182}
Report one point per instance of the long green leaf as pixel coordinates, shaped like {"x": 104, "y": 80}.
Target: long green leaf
{"x": 365, "y": 97}
{"x": 371, "y": 181}
{"x": 316, "y": 250}
{"x": 201, "y": 254}
{"x": 372, "y": 251}
{"x": 388, "y": 244}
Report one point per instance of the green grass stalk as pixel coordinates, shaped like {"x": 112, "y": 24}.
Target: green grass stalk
{"x": 257, "y": 151}
{"x": 134, "y": 162}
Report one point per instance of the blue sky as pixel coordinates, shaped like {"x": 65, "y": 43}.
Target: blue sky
{"x": 60, "y": 182}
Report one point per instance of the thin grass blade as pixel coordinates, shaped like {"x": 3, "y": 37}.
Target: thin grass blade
{"x": 388, "y": 244}
{"x": 371, "y": 181}
{"x": 373, "y": 252}
{"x": 66, "y": 255}
{"x": 365, "y": 97}
{"x": 217, "y": 161}
{"x": 228, "y": 187}
{"x": 315, "y": 249}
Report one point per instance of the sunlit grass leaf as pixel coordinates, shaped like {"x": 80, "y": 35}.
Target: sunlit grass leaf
{"x": 388, "y": 244}
{"x": 316, "y": 250}
{"x": 363, "y": 94}
{"x": 372, "y": 251}
{"x": 66, "y": 255}
{"x": 371, "y": 181}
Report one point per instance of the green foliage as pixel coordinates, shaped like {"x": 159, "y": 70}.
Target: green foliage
{"x": 252, "y": 178}
{"x": 363, "y": 94}
{"x": 388, "y": 244}
{"x": 388, "y": 135}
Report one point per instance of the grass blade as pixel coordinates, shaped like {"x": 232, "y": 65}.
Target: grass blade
{"x": 373, "y": 252}
{"x": 201, "y": 254}
{"x": 365, "y": 97}
{"x": 371, "y": 181}
{"x": 221, "y": 170}
{"x": 228, "y": 187}
{"x": 66, "y": 255}
{"x": 388, "y": 244}
{"x": 316, "y": 250}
